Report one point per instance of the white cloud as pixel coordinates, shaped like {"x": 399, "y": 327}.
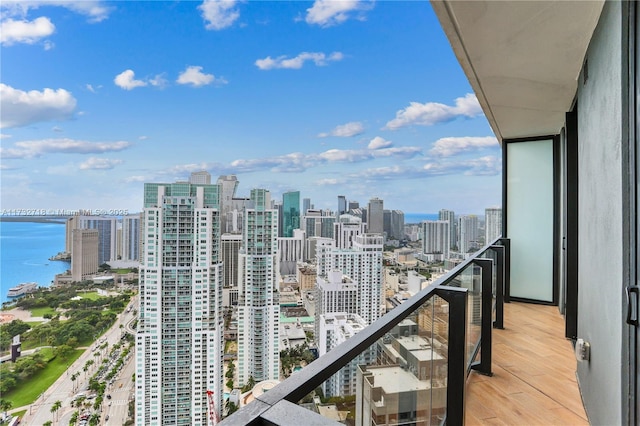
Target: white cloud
{"x": 94, "y": 163}
{"x": 446, "y": 147}
{"x": 143, "y": 138}
{"x": 4, "y": 136}
{"x": 38, "y": 148}
{"x": 57, "y": 129}
{"x": 326, "y": 13}
{"x": 330, "y": 182}
{"x": 20, "y": 108}
{"x": 96, "y": 11}
{"x": 219, "y": 14}
{"x": 353, "y": 128}
{"x": 126, "y": 80}
{"x": 432, "y": 113}
{"x": 282, "y": 62}
{"x": 194, "y": 76}
{"x": 24, "y": 31}
{"x": 158, "y": 81}
{"x": 378, "y": 143}
{"x": 137, "y": 178}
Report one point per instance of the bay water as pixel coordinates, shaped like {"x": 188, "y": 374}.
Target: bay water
{"x": 25, "y": 249}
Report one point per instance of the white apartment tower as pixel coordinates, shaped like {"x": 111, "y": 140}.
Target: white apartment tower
{"x": 131, "y": 237}
{"x": 492, "y": 224}
{"x": 258, "y": 304}
{"x": 179, "y": 355}
{"x": 363, "y": 264}
{"x": 435, "y": 237}
{"x": 346, "y": 229}
{"x": 468, "y": 233}
{"x": 450, "y": 217}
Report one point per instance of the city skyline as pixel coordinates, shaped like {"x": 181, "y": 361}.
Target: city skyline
{"x": 351, "y": 104}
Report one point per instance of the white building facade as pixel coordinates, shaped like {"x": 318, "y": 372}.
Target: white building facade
{"x": 258, "y": 304}
{"x": 179, "y": 342}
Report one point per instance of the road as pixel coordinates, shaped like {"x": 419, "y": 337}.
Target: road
{"x": 63, "y": 389}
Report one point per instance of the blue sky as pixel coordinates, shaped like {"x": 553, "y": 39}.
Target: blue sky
{"x": 357, "y": 98}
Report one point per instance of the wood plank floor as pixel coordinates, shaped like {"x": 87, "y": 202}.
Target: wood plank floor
{"x": 533, "y": 380}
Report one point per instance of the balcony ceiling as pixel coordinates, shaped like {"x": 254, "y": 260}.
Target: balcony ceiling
{"x": 522, "y": 58}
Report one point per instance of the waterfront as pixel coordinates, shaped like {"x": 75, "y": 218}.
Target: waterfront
{"x": 25, "y": 249}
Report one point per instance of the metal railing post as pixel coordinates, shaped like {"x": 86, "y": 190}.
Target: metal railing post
{"x": 456, "y": 362}
{"x": 484, "y": 366}
{"x": 499, "y": 322}
{"x": 506, "y": 242}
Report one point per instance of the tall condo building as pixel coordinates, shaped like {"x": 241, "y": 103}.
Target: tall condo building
{"x": 394, "y": 224}
{"x": 84, "y": 262}
{"x": 318, "y": 223}
{"x": 468, "y": 233}
{"x": 346, "y": 229}
{"x": 435, "y": 238}
{"x": 450, "y": 217}
{"x": 258, "y": 304}
{"x": 179, "y": 355}
{"x": 131, "y": 237}
{"x": 290, "y": 213}
{"x": 363, "y": 264}
{"x": 492, "y": 224}
{"x": 375, "y": 216}
{"x": 291, "y": 252}
{"x": 107, "y": 235}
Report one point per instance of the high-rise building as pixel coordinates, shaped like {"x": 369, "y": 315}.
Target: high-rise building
{"x": 435, "y": 238}
{"x": 393, "y": 224}
{"x": 492, "y": 224}
{"x": 468, "y": 233}
{"x": 342, "y": 205}
{"x": 450, "y": 217}
{"x": 375, "y": 216}
{"x": 353, "y": 205}
{"x": 258, "y": 304}
{"x": 306, "y": 205}
{"x": 318, "y": 223}
{"x": 179, "y": 340}
{"x": 106, "y": 226}
{"x": 201, "y": 178}
{"x": 230, "y": 244}
{"x": 290, "y": 213}
{"x": 346, "y": 229}
{"x": 291, "y": 252}
{"x": 334, "y": 329}
{"x": 84, "y": 246}
{"x": 363, "y": 264}
{"x": 131, "y": 237}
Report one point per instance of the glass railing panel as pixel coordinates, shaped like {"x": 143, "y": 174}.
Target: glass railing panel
{"x": 400, "y": 379}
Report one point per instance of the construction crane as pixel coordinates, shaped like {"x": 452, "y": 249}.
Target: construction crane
{"x": 213, "y": 414}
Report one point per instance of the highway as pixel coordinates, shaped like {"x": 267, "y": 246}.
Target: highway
{"x": 63, "y": 389}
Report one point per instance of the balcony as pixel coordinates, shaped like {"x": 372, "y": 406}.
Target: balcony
{"x": 454, "y": 353}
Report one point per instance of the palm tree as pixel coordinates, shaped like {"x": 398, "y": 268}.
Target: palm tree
{"x": 55, "y": 407}
{"x": 5, "y": 405}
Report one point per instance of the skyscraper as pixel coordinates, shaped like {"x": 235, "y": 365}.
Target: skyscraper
{"x": 435, "y": 238}
{"x": 342, "y": 205}
{"x": 450, "y": 217}
{"x": 375, "y": 216}
{"x": 179, "y": 342}
{"x": 201, "y": 177}
{"x": 290, "y": 213}
{"x": 492, "y": 224}
{"x": 468, "y": 233}
{"x": 131, "y": 237}
{"x": 306, "y": 205}
{"x": 106, "y": 226}
{"x": 84, "y": 262}
{"x": 363, "y": 264}
{"x": 346, "y": 229}
{"x": 258, "y": 305}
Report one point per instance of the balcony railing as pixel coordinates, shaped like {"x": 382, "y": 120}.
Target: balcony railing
{"x": 410, "y": 365}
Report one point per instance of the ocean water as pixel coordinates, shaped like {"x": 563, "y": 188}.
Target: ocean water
{"x": 419, "y": 217}
{"x": 25, "y": 249}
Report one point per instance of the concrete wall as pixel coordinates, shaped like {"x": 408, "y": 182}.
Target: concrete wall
{"x": 600, "y": 276}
